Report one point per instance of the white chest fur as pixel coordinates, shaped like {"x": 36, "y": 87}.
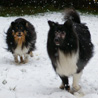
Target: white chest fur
{"x": 66, "y": 65}
{"x": 20, "y": 51}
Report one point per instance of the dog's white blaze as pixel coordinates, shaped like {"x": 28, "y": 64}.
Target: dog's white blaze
{"x": 20, "y": 51}
{"x": 66, "y": 65}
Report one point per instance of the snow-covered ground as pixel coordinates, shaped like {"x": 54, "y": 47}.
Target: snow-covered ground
{"x": 37, "y": 79}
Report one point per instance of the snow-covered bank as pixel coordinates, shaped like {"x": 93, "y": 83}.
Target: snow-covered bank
{"x": 37, "y": 79}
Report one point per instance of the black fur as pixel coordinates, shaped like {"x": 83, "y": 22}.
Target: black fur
{"x": 66, "y": 82}
{"x": 77, "y": 38}
{"x": 72, "y": 14}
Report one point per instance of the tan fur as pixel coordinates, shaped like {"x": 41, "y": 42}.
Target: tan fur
{"x": 25, "y": 33}
{"x": 21, "y": 59}
{"x": 62, "y": 86}
{"x": 19, "y": 40}
{"x": 31, "y": 54}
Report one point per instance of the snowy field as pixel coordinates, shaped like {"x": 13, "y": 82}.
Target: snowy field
{"x": 37, "y": 79}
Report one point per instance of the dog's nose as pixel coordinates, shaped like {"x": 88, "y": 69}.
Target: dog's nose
{"x": 19, "y": 33}
{"x": 56, "y": 40}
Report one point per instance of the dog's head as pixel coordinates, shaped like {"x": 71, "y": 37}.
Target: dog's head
{"x": 60, "y": 31}
{"x": 19, "y": 31}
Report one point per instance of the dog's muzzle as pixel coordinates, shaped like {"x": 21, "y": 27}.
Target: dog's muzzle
{"x": 56, "y": 40}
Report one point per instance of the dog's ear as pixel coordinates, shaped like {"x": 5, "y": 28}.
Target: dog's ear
{"x": 51, "y": 23}
{"x": 68, "y": 24}
{"x": 12, "y": 24}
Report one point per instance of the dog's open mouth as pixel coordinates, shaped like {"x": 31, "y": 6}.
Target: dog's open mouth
{"x": 19, "y": 35}
{"x": 57, "y": 43}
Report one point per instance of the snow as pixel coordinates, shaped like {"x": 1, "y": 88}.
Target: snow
{"x": 37, "y": 79}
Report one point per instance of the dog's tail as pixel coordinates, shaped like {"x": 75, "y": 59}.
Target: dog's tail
{"x": 72, "y": 14}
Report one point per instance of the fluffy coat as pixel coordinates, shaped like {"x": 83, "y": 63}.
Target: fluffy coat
{"x": 21, "y": 39}
{"x": 69, "y": 47}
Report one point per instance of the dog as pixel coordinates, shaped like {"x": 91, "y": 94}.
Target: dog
{"x": 69, "y": 48}
{"x": 21, "y": 39}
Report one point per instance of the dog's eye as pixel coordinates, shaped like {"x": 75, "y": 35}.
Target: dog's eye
{"x": 63, "y": 32}
{"x": 16, "y": 27}
{"x": 57, "y": 32}
{"x": 13, "y": 31}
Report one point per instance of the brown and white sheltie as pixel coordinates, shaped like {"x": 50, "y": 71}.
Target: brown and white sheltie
{"x": 21, "y": 39}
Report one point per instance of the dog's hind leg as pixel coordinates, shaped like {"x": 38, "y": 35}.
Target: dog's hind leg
{"x": 65, "y": 83}
{"x": 76, "y": 78}
{"x": 31, "y": 54}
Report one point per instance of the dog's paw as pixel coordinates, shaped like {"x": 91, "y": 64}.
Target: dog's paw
{"x": 76, "y": 88}
{"x": 21, "y": 62}
{"x": 62, "y": 86}
{"x": 31, "y": 55}
{"x": 25, "y": 61}
{"x": 16, "y": 61}
{"x": 67, "y": 87}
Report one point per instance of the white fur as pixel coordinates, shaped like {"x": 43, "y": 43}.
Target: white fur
{"x": 19, "y": 51}
{"x": 66, "y": 65}
{"x": 76, "y": 78}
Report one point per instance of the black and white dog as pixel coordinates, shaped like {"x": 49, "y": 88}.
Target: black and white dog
{"x": 70, "y": 48}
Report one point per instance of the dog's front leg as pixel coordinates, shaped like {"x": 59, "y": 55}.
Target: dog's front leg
{"x": 76, "y": 78}
{"x": 65, "y": 83}
{"x": 25, "y": 58}
{"x": 21, "y": 59}
{"x": 16, "y": 58}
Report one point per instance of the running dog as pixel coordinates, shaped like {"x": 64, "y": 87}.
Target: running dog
{"x": 21, "y": 39}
